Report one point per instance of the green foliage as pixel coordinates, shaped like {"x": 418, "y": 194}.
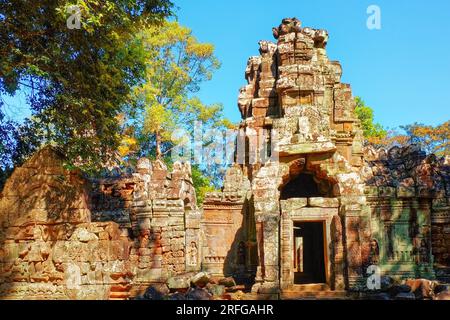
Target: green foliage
{"x": 176, "y": 66}
{"x": 372, "y": 131}
{"x": 118, "y": 86}
{"x": 202, "y": 184}
{"x": 7, "y": 130}
{"x": 77, "y": 80}
{"x": 432, "y": 139}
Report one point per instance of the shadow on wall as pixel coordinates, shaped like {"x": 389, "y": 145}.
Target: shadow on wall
{"x": 306, "y": 185}
{"x": 241, "y": 259}
{"x": 50, "y": 249}
{"x": 403, "y": 243}
{"x": 404, "y": 186}
{"x": 40, "y": 204}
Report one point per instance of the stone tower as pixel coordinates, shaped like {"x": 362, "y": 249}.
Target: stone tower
{"x": 307, "y": 203}
{"x": 295, "y": 94}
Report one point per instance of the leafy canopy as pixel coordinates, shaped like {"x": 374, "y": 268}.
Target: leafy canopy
{"x": 176, "y": 66}
{"x": 432, "y": 139}
{"x": 76, "y": 80}
{"x": 177, "y": 63}
{"x": 373, "y": 132}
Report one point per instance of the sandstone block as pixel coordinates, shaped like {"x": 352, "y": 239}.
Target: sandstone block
{"x": 200, "y": 279}
{"x": 178, "y": 282}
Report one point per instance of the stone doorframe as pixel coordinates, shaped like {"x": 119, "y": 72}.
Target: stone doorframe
{"x": 297, "y": 210}
{"x": 349, "y": 228}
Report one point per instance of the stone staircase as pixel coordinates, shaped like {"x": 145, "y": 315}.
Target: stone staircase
{"x": 121, "y": 288}
{"x": 313, "y": 292}
{"x": 120, "y": 292}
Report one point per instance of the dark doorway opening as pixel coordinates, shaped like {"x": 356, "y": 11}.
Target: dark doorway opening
{"x": 305, "y": 185}
{"x": 309, "y": 255}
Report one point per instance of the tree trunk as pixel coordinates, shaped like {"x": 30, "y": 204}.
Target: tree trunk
{"x": 158, "y": 146}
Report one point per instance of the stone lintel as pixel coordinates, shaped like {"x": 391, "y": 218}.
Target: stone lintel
{"x": 313, "y": 213}
{"x": 306, "y": 148}
{"x": 323, "y": 202}
{"x": 293, "y": 204}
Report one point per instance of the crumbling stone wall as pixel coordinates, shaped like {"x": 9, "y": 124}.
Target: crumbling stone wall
{"x": 441, "y": 247}
{"x": 158, "y": 209}
{"x": 228, "y": 229}
{"x": 408, "y": 194}
{"x": 48, "y": 247}
{"x": 65, "y": 237}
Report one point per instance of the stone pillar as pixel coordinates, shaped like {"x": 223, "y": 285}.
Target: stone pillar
{"x": 148, "y": 259}
{"x": 338, "y": 280}
{"x": 267, "y": 227}
{"x": 286, "y": 250}
{"x": 423, "y": 239}
{"x": 260, "y": 273}
{"x": 355, "y": 225}
{"x": 440, "y": 237}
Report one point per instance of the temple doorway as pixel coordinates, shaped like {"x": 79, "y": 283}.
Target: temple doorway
{"x": 309, "y": 254}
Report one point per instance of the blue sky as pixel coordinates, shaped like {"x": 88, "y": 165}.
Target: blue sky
{"x": 402, "y": 71}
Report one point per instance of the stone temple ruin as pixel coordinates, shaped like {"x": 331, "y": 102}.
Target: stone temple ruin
{"x": 316, "y": 218}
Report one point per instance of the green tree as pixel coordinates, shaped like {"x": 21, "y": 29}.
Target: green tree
{"x": 76, "y": 80}
{"x": 432, "y": 139}
{"x": 177, "y": 63}
{"x": 202, "y": 184}
{"x": 373, "y": 132}
{"x": 7, "y": 129}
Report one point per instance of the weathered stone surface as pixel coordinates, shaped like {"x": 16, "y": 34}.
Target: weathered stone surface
{"x": 320, "y": 171}
{"x": 177, "y": 296}
{"x": 323, "y": 202}
{"x": 302, "y": 162}
{"x": 294, "y": 204}
{"x": 227, "y": 282}
{"x": 238, "y": 295}
{"x": 59, "y": 230}
{"x": 414, "y": 176}
{"x": 83, "y": 235}
{"x": 179, "y": 282}
{"x": 200, "y": 279}
{"x": 216, "y": 289}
